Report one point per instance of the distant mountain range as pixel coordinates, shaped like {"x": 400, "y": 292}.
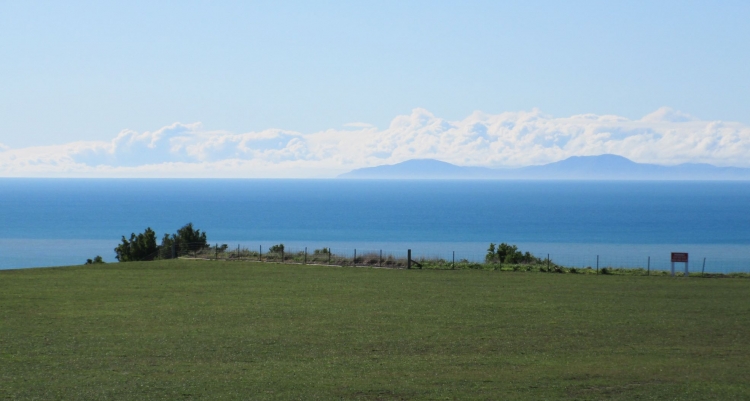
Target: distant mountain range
{"x": 602, "y": 167}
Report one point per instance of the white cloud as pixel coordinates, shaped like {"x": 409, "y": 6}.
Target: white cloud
{"x": 493, "y": 140}
{"x": 667, "y": 114}
{"x": 359, "y": 125}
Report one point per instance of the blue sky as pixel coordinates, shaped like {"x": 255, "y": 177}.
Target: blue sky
{"x": 76, "y": 72}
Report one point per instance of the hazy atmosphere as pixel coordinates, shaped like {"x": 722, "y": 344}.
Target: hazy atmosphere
{"x": 374, "y": 200}
{"x": 300, "y": 89}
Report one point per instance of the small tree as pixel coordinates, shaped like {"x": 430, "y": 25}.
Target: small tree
{"x": 138, "y": 247}
{"x": 506, "y": 253}
{"x": 165, "y": 250}
{"x": 490, "y": 257}
{"x": 186, "y": 239}
{"x": 190, "y": 239}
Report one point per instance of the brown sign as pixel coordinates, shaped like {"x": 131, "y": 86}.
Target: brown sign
{"x": 679, "y": 257}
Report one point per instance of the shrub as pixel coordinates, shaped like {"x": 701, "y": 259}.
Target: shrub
{"x": 97, "y": 260}
{"x": 278, "y": 248}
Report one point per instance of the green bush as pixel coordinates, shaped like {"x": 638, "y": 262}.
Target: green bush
{"x": 187, "y": 239}
{"x": 138, "y": 247}
{"x": 97, "y": 260}
{"x": 509, "y": 254}
{"x": 278, "y": 248}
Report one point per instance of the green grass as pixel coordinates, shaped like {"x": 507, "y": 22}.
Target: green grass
{"x": 239, "y": 330}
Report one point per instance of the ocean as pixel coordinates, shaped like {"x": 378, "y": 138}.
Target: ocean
{"x": 54, "y": 222}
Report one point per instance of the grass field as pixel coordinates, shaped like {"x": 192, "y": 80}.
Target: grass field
{"x": 238, "y": 330}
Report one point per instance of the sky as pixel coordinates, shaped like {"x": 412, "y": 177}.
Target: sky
{"x": 314, "y": 89}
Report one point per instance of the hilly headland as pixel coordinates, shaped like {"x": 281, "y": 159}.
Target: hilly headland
{"x": 601, "y": 167}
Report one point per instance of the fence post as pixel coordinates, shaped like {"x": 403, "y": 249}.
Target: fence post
{"x": 597, "y": 264}
{"x": 548, "y": 263}
{"x": 260, "y": 253}
{"x": 648, "y": 272}
{"x": 380, "y": 259}
{"x": 329, "y": 256}
{"x": 703, "y": 269}
{"x": 354, "y": 261}
{"x": 304, "y": 262}
{"x": 216, "y": 251}
{"x": 238, "y": 251}
{"x": 453, "y": 266}
{"x": 408, "y": 259}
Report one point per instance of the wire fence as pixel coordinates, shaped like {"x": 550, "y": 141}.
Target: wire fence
{"x": 448, "y": 260}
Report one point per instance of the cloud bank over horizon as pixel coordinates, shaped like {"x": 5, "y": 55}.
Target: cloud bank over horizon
{"x": 509, "y": 139}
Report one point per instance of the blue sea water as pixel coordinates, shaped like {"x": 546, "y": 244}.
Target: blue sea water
{"x": 51, "y": 222}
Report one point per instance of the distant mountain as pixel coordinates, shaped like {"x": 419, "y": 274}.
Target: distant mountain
{"x": 602, "y": 167}
{"x": 420, "y": 169}
{"x": 613, "y": 167}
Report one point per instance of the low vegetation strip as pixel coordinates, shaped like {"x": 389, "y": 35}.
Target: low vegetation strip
{"x": 524, "y": 263}
{"x": 191, "y": 243}
{"x": 193, "y": 329}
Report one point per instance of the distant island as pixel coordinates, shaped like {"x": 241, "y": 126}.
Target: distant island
{"x": 601, "y": 167}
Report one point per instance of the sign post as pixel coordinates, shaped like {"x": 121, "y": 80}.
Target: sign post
{"x": 680, "y": 257}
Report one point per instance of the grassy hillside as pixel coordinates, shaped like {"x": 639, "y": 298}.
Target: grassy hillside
{"x": 238, "y": 330}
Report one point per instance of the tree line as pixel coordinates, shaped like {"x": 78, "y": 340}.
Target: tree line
{"x": 143, "y": 246}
